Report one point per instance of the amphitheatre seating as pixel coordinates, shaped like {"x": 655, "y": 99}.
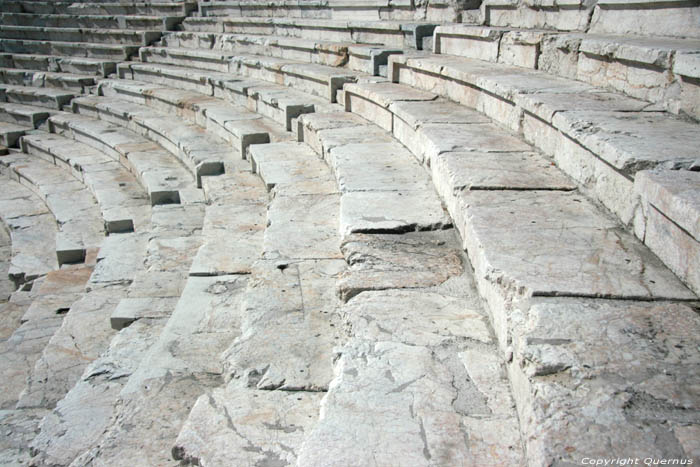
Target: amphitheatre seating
{"x": 358, "y": 233}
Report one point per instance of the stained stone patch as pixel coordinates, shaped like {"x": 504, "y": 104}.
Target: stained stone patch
{"x": 410, "y": 260}
{"x": 221, "y": 430}
{"x": 607, "y": 375}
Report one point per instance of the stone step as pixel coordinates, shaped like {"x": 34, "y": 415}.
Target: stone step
{"x": 51, "y": 98}
{"x": 319, "y": 80}
{"x": 124, "y": 205}
{"x": 71, "y": 49}
{"x": 50, "y": 303}
{"x": 595, "y": 140}
{"x": 51, "y": 63}
{"x": 88, "y": 21}
{"x": 32, "y": 230}
{"x": 10, "y": 134}
{"x": 290, "y": 294}
{"x": 397, "y": 197}
{"x": 99, "y": 8}
{"x": 74, "y": 82}
{"x": 80, "y": 225}
{"x": 83, "y": 35}
{"x": 659, "y": 70}
{"x": 369, "y": 59}
{"x": 525, "y": 233}
{"x": 202, "y": 153}
{"x": 388, "y": 33}
{"x": 622, "y": 17}
{"x": 85, "y": 331}
{"x": 163, "y": 177}
{"x": 277, "y": 102}
{"x": 20, "y": 114}
{"x": 7, "y": 287}
{"x": 235, "y": 124}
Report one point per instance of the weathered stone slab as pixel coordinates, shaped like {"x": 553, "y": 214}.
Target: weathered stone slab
{"x": 244, "y": 426}
{"x": 19, "y": 427}
{"x": 436, "y": 111}
{"x": 302, "y": 227}
{"x": 600, "y": 378}
{"x": 133, "y": 309}
{"x": 410, "y": 260}
{"x": 120, "y": 258}
{"x": 573, "y": 249}
{"x": 387, "y": 211}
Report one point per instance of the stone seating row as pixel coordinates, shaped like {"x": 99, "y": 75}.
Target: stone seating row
{"x": 365, "y": 58}
{"x": 369, "y": 10}
{"x": 47, "y": 97}
{"x": 57, "y": 64}
{"x": 99, "y": 8}
{"x": 656, "y": 69}
{"x": 77, "y": 83}
{"x": 396, "y": 34}
{"x": 90, "y": 22}
{"x": 81, "y": 35}
{"x": 72, "y": 49}
{"x": 600, "y": 139}
{"x": 504, "y": 197}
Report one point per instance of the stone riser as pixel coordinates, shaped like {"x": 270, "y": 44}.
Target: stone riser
{"x": 95, "y": 8}
{"x": 105, "y": 52}
{"x": 23, "y": 115}
{"x": 92, "y": 36}
{"x": 656, "y": 70}
{"x": 165, "y": 182}
{"x": 154, "y": 23}
{"x": 75, "y": 65}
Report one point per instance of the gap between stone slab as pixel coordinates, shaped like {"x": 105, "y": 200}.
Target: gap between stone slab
{"x": 631, "y": 298}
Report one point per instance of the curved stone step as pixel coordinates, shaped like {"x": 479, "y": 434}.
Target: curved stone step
{"x": 80, "y": 226}
{"x": 124, "y": 205}
{"x": 71, "y": 49}
{"x": 389, "y": 33}
{"x": 23, "y": 114}
{"x": 363, "y": 58}
{"x": 36, "y": 96}
{"x": 318, "y": 80}
{"x": 201, "y": 153}
{"x": 87, "y": 21}
{"x": 277, "y": 102}
{"x": 10, "y": 134}
{"x": 32, "y": 230}
{"x": 82, "y": 35}
{"x": 163, "y": 177}
{"x": 99, "y": 8}
{"x": 55, "y": 63}
{"x": 74, "y": 82}
{"x": 239, "y": 126}
{"x": 526, "y": 234}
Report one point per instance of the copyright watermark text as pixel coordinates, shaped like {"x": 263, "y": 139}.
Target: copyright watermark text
{"x": 618, "y": 461}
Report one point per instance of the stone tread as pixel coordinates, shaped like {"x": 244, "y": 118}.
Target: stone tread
{"x": 99, "y": 8}
{"x": 23, "y": 114}
{"x": 202, "y": 153}
{"x": 123, "y": 203}
{"x": 32, "y": 230}
{"x": 239, "y": 126}
{"x": 10, "y": 133}
{"x": 37, "y": 96}
{"x": 88, "y": 21}
{"x": 69, "y": 81}
{"x": 62, "y": 63}
{"x": 163, "y": 176}
{"x": 83, "y": 35}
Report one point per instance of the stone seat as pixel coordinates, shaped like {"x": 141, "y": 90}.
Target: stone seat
{"x": 88, "y": 21}
{"x": 388, "y": 33}
{"x": 32, "y": 229}
{"x": 617, "y": 144}
{"x": 10, "y": 134}
{"x": 80, "y": 225}
{"x": 277, "y": 102}
{"x": 72, "y": 49}
{"x": 78, "y": 83}
{"x": 124, "y": 204}
{"x": 364, "y": 58}
{"x": 202, "y": 154}
{"x": 656, "y": 69}
{"x": 98, "y": 8}
{"x": 51, "y": 98}
{"x": 319, "y": 80}
{"x": 21, "y": 114}
{"x": 57, "y": 63}
{"x": 235, "y": 124}
{"x": 83, "y": 35}
{"x": 163, "y": 177}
